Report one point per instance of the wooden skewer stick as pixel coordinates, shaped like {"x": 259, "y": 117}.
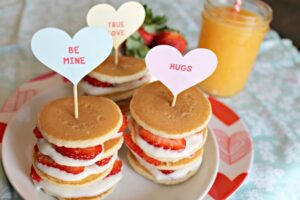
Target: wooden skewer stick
{"x": 116, "y": 55}
{"x": 75, "y": 101}
{"x": 174, "y": 101}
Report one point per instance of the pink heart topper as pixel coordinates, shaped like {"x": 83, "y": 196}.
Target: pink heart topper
{"x": 179, "y": 72}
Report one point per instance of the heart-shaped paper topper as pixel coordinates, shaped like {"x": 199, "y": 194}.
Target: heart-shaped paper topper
{"x": 179, "y": 72}
{"x": 74, "y": 57}
{"x": 121, "y": 23}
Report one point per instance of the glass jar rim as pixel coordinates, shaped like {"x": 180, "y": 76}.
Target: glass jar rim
{"x": 266, "y": 11}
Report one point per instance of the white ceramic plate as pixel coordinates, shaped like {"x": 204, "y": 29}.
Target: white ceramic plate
{"x": 17, "y": 147}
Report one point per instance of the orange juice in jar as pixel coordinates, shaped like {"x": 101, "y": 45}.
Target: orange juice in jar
{"x": 235, "y": 37}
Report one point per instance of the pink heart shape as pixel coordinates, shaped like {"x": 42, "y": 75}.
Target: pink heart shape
{"x": 179, "y": 72}
{"x": 233, "y": 147}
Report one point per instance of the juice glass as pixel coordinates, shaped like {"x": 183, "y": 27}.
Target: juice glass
{"x": 235, "y": 38}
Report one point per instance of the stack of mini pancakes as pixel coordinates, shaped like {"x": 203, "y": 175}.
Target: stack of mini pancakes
{"x": 78, "y": 158}
{"x": 165, "y": 142}
{"x": 116, "y": 81}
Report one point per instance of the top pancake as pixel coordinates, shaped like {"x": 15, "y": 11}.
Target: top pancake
{"x": 151, "y": 109}
{"x": 99, "y": 120}
{"x": 127, "y": 69}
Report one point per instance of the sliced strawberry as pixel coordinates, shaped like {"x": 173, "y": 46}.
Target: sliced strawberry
{"x": 157, "y": 141}
{"x": 37, "y": 133}
{"x": 96, "y": 82}
{"x": 46, "y": 160}
{"x": 34, "y": 176}
{"x": 124, "y": 124}
{"x": 167, "y": 171}
{"x": 139, "y": 151}
{"x": 79, "y": 153}
{"x": 104, "y": 161}
{"x": 116, "y": 168}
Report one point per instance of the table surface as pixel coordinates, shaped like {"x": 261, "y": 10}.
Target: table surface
{"x": 269, "y": 105}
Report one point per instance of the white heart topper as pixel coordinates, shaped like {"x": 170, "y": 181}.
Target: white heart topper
{"x": 121, "y": 23}
{"x": 179, "y": 72}
{"x": 74, "y": 57}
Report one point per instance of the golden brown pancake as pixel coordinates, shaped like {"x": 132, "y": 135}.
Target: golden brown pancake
{"x": 119, "y": 96}
{"x": 133, "y": 128}
{"x": 89, "y": 179}
{"x": 184, "y": 162}
{"x": 99, "y": 119}
{"x": 79, "y": 183}
{"x": 97, "y": 197}
{"x": 144, "y": 172}
{"x": 181, "y": 163}
{"x": 111, "y": 147}
{"x": 127, "y": 69}
{"x": 151, "y": 108}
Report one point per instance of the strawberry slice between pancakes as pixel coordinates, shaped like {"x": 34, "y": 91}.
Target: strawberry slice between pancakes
{"x": 79, "y": 153}
{"x": 46, "y": 160}
{"x": 37, "y": 133}
{"x": 165, "y": 143}
{"x": 136, "y": 149}
{"x": 96, "y": 83}
{"x": 166, "y": 172}
{"x": 116, "y": 168}
{"x": 124, "y": 124}
{"x": 34, "y": 176}
{"x": 104, "y": 161}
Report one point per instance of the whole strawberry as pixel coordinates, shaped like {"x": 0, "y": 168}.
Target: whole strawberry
{"x": 154, "y": 31}
{"x": 172, "y": 38}
{"x": 147, "y": 36}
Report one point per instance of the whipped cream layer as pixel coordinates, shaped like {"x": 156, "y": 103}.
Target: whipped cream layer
{"x": 89, "y": 170}
{"x": 177, "y": 174}
{"x": 93, "y": 90}
{"x": 47, "y": 149}
{"x": 89, "y": 190}
{"x": 193, "y": 143}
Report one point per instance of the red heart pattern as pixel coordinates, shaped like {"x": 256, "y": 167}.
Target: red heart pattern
{"x": 223, "y": 187}
{"x": 222, "y": 112}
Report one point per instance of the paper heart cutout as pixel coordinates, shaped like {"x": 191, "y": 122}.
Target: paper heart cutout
{"x": 51, "y": 47}
{"x": 233, "y": 147}
{"x": 223, "y": 187}
{"x": 179, "y": 72}
{"x": 127, "y": 19}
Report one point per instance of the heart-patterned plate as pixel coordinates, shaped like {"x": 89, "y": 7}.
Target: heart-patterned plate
{"x": 230, "y": 131}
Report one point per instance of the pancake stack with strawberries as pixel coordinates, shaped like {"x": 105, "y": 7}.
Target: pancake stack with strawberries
{"x": 116, "y": 81}
{"x": 165, "y": 142}
{"x": 78, "y": 158}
